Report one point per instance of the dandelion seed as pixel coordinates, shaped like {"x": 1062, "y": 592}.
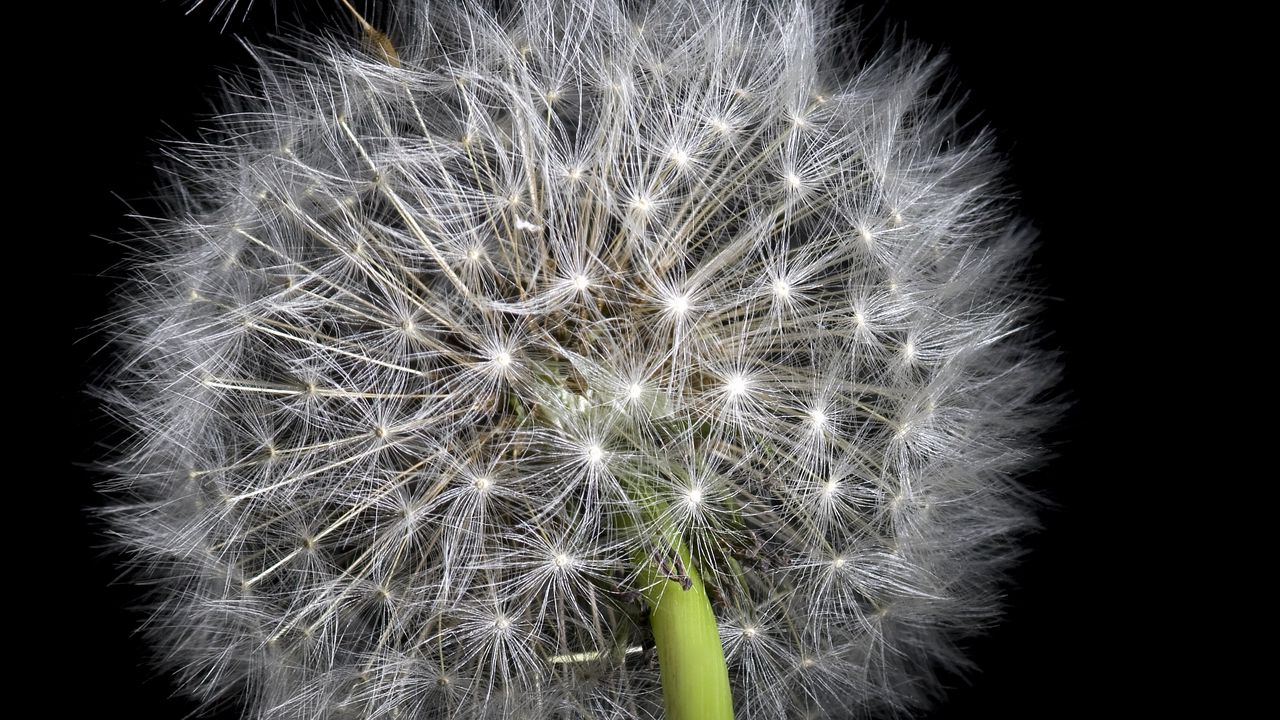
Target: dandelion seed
{"x": 694, "y": 497}
{"x": 642, "y": 204}
{"x": 781, "y": 289}
{"x": 735, "y": 385}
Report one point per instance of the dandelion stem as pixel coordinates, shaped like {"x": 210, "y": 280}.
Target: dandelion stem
{"x": 695, "y": 679}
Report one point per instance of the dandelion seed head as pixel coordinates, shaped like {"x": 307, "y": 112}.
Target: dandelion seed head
{"x": 428, "y": 352}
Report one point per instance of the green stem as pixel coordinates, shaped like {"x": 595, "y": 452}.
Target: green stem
{"x": 695, "y": 679}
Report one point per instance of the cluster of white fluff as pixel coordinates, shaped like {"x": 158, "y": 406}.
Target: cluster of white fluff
{"x": 434, "y": 344}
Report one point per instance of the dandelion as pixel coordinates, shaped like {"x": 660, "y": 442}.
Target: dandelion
{"x": 578, "y": 360}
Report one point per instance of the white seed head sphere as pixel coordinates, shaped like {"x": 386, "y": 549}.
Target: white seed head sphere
{"x": 426, "y": 338}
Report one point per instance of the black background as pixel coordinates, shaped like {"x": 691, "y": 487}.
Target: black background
{"x": 1050, "y": 80}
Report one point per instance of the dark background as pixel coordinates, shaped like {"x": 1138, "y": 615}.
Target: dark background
{"x": 1050, "y": 80}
